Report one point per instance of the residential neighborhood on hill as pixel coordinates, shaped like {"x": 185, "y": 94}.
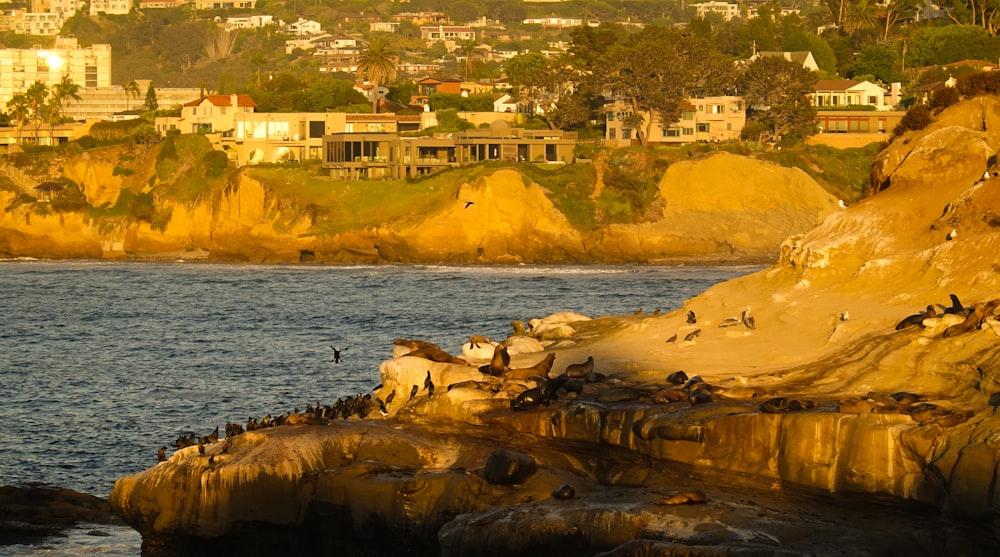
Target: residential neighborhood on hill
{"x": 521, "y": 64}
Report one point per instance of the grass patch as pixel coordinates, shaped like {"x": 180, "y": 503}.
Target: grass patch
{"x": 338, "y": 206}
{"x": 845, "y": 173}
{"x": 570, "y": 187}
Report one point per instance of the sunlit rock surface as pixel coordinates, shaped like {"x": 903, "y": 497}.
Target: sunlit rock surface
{"x": 799, "y": 436}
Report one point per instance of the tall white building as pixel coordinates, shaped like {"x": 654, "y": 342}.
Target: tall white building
{"x": 20, "y": 67}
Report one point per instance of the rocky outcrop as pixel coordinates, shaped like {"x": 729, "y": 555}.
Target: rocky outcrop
{"x": 31, "y": 513}
{"x": 803, "y": 379}
{"x": 498, "y": 218}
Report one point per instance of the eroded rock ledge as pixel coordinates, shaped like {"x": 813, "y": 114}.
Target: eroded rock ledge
{"x": 838, "y": 475}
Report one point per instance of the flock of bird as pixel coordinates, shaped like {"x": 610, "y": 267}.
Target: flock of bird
{"x": 548, "y": 389}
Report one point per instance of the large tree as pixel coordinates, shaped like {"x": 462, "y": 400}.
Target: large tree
{"x": 652, "y": 71}
{"x": 776, "y": 91}
{"x": 377, "y": 65}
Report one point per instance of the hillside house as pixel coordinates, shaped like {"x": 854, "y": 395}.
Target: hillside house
{"x": 843, "y": 93}
{"x": 709, "y": 119}
{"x": 376, "y": 156}
{"x": 456, "y": 33}
{"x": 803, "y": 57}
{"x": 304, "y": 27}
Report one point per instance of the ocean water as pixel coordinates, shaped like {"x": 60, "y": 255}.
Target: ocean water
{"x": 102, "y": 363}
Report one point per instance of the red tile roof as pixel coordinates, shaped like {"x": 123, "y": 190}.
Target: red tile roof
{"x": 225, "y": 100}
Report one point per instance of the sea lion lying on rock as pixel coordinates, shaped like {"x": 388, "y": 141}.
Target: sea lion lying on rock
{"x": 541, "y": 368}
{"x": 509, "y": 467}
{"x": 782, "y": 404}
{"x": 693, "y": 497}
{"x": 437, "y": 355}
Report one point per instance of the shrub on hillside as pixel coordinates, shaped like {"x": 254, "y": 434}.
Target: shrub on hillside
{"x": 216, "y": 163}
{"x": 981, "y": 83}
{"x": 916, "y": 118}
{"x": 943, "y": 98}
{"x": 70, "y": 199}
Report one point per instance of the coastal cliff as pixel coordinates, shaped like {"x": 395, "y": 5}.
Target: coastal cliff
{"x": 494, "y": 216}
{"x": 805, "y": 382}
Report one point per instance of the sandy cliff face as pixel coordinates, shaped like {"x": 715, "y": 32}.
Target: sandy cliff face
{"x": 500, "y": 218}
{"x": 725, "y": 205}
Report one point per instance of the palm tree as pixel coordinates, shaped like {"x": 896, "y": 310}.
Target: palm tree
{"x": 19, "y": 110}
{"x": 258, "y": 60}
{"x": 860, "y": 16}
{"x": 131, "y": 90}
{"x": 65, "y": 91}
{"x": 37, "y": 95}
{"x": 377, "y": 64}
{"x": 469, "y": 48}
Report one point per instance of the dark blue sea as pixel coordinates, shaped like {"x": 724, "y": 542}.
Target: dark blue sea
{"x": 101, "y": 363}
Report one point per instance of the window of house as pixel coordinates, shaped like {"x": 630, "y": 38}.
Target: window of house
{"x": 672, "y": 132}
{"x": 611, "y": 116}
{"x": 687, "y": 115}
{"x": 717, "y": 109}
{"x": 873, "y": 100}
{"x": 729, "y": 126}
{"x": 688, "y": 131}
{"x": 612, "y": 133}
{"x": 703, "y": 127}
{"x": 833, "y": 101}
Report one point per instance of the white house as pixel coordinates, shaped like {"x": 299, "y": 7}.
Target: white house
{"x": 803, "y": 57}
{"x": 725, "y": 9}
{"x": 848, "y": 92}
{"x": 249, "y": 21}
{"x": 505, "y": 103}
{"x": 305, "y": 27}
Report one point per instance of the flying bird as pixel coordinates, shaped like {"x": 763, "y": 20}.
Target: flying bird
{"x": 469, "y": 204}
{"x": 336, "y": 354}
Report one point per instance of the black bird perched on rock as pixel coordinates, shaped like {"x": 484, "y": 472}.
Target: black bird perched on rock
{"x": 428, "y": 384}
{"x": 413, "y": 391}
{"x": 161, "y": 455}
{"x": 691, "y": 318}
{"x": 692, "y": 335}
{"x": 390, "y": 396}
{"x": 672, "y": 338}
{"x": 336, "y": 354}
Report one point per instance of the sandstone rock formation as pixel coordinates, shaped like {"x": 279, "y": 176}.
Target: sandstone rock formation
{"x": 510, "y": 220}
{"x": 909, "y": 414}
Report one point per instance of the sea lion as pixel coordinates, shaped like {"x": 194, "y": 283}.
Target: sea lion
{"x": 594, "y": 377}
{"x": 971, "y": 322}
{"x": 664, "y": 396}
{"x": 581, "y": 369}
{"x": 903, "y": 397}
{"x": 782, "y": 404}
{"x": 700, "y": 396}
{"x": 917, "y": 319}
{"x": 476, "y": 340}
{"x": 926, "y": 411}
{"x": 527, "y": 399}
{"x": 677, "y": 378}
{"x": 693, "y": 497}
{"x": 564, "y": 492}
{"x": 500, "y": 362}
{"x": 414, "y": 344}
{"x": 956, "y": 306}
{"x": 437, "y": 355}
{"x": 541, "y": 368}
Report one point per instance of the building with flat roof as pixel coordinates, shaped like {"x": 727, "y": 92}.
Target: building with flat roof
{"x": 86, "y": 66}
{"x": 377, "y": 156}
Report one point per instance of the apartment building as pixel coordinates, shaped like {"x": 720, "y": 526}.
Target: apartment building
{"x": 86, "y": 66}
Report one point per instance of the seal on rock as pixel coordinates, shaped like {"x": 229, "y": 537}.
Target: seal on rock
{"x": 693, "y": 497}
{"x": 541, "y": 369}
{"x": 581, "y": 369}
{"x": 677, "y": 378}
{"x": 564, "y": 492}
{"x": 500, "y": 362}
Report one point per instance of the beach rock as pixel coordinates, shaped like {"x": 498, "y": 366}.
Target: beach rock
{"x": 31, "y": 513}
